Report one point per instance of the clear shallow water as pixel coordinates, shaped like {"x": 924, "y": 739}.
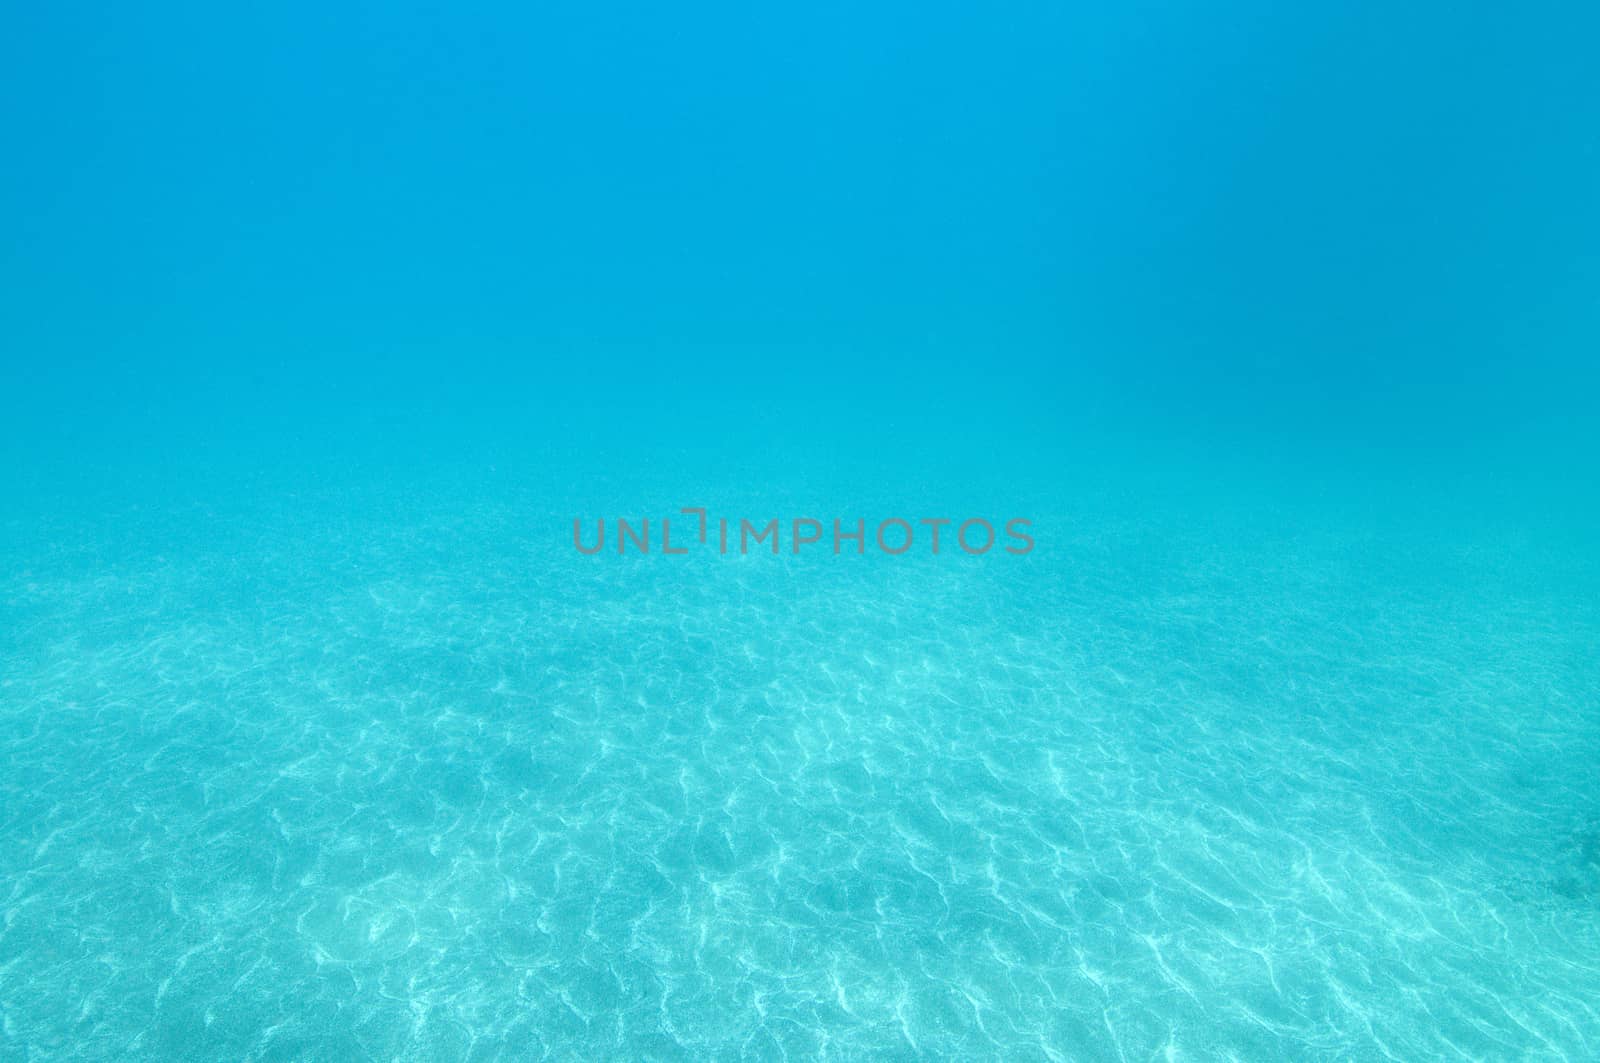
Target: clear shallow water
{"x": 375, "y": 769}
{"x": 318, "y": 740}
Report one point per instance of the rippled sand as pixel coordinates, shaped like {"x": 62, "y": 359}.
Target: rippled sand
{"x": 386, "y": 779}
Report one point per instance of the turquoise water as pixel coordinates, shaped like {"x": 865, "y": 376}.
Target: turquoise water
{"x": 321, "y": 741}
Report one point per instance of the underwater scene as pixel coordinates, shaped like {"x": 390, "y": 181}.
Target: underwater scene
{"x": 907, "y": 532}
